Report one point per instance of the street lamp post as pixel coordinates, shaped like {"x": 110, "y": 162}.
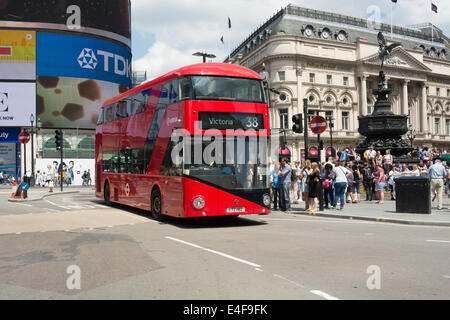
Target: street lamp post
{"x": 204, "y": 55}
{"x": 32, "y": 146}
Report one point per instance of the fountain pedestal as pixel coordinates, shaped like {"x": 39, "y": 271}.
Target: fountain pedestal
{"x": 383, "y": 129}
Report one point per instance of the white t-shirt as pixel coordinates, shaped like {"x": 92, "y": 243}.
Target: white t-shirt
{"x": 341, "y": 173}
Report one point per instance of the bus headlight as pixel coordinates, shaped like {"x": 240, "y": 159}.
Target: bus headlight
{"x": 266, "y": 200}
{"x": 199, "y": 203}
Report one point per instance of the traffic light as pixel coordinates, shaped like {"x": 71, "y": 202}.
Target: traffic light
{"x": 298, "y": 123}
{"x": 58, "y": 139}
{"x": 320, "y": 145}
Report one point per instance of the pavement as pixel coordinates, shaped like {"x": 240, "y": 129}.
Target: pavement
{"x": 371, "y": 211}
{"x": 38, "y": 193}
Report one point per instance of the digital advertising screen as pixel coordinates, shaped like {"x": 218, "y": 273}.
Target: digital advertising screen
{"x": 8, "y": 158}
{"x": 17, "y": 103}
{"x": 110, "y": 16}
{"x": 73, "y": 83}
{"x": 83, "y": 57}
{"x": 17, "y": 55}
{"x": 71, "y": 103}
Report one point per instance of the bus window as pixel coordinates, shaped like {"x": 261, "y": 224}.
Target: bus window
{"x": 185, "y": 88}
{"x": 107, "y": 161}
{"x": 121, "y": 110}
{"x": 173, "y": 97}
{"x": 100, "y": 116}
{"x": 109, "y": 114}
{"x": 137, "y": 161}
{"x": 115, "y": 164}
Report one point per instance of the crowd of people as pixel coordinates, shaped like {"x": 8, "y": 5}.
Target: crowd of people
{"x": 58, "y": 174}
{"x": 340, "y": 180}
{"x": 6, "y": 179}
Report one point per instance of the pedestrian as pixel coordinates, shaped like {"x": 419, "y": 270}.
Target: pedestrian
{"x": 349, "y": 192}
{"x": 372, "y": 154}
{"x": 380, "y": 180}
{"x": 340, "y": 174}
{"x": 328, "y": 186}
{"x": 387, "y": 160}
{"x": 84, "y": 177}
{"x": 275, "y": 183}
{"x": 314, "y": 188}
{"x": 357, "y": 177}
{"x": 285, "y": 176}
{"x": 306, "y": 170}
{"x": 437, "y": 174}
{"x": 50, "y": 178}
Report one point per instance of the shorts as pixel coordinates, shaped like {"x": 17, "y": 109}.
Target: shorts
{"x": 380, "y": 186}
{"x": 356, "y": 188}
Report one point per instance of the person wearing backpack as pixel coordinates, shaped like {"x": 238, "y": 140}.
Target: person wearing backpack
{"x": 276, "y": 184}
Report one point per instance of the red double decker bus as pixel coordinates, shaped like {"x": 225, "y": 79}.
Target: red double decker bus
{"x": 192, "y": 143}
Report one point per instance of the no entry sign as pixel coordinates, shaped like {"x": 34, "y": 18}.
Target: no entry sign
{"x": 24, "y": 137}
{"x": 318, "y": 125}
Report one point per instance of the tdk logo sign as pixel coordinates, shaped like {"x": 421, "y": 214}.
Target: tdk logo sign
{"x": 88, "y": 60}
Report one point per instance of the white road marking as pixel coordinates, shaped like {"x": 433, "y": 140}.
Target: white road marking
{"x": 441, "y": 241}
{"x": 258, "y": 269}
{"x": 446, "y": 277}
{"x": 24, "y": 204}
{"x": 286, "y": 279}
{"x": 323, "y": 295}
{"x": 216, "y": 252}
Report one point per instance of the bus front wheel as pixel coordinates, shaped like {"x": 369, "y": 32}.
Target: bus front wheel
{"x": 157, "y": 205}
{"x": 106, "y": 194}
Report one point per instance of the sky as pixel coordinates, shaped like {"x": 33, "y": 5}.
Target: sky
{"x": 166, "y": 33}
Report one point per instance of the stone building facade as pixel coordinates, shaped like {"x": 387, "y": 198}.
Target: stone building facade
{"x": 332, "y": 60}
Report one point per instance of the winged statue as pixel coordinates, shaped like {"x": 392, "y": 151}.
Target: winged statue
{"x": 385, "y": 51}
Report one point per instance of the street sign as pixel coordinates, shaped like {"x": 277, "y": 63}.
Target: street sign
{"x": 318, "y": 125}
{"x": 24, "y": 137}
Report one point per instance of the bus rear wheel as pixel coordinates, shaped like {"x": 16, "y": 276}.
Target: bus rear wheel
{"x": 107, "y": 194}
{"x": 157, "y": 206}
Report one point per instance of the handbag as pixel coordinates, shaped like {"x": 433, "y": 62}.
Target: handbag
{"x": 326, "y": 184}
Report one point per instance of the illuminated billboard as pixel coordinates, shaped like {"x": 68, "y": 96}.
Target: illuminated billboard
{"x": 17, "y": 103}
{"x": 17, "y": 55}
{"x": 83, "y": 57}
{"x": 72, "y": 102}
{"x": 100, "y": 17}
{"x": 73, "y": 83}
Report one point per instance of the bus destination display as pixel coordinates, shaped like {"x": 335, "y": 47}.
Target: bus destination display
{"x": 231, "y": 121}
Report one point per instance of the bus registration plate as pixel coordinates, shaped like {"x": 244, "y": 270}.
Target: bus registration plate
{"x": 234, "y": 210}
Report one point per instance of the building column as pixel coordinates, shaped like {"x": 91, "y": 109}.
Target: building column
{"x": 405, "y": 97}
{"x": 423, "y": 109}
{"x": 299, "y": 91}
{"x": 363, "y": 95}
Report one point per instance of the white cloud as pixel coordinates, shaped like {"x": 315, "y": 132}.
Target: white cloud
{"x": 182, "y": 27}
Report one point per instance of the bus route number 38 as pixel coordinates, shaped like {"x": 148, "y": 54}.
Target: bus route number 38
{"x": 252, "y": 122}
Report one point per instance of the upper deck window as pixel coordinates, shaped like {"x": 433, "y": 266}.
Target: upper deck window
{"x": 224, "y": 89}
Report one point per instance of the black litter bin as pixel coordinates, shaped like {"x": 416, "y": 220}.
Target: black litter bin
{"x": 412, "y": 194}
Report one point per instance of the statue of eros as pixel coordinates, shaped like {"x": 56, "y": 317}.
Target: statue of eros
{"x": 385, "y": 51}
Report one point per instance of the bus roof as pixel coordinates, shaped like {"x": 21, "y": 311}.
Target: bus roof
{"x": 204, "y": 69}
